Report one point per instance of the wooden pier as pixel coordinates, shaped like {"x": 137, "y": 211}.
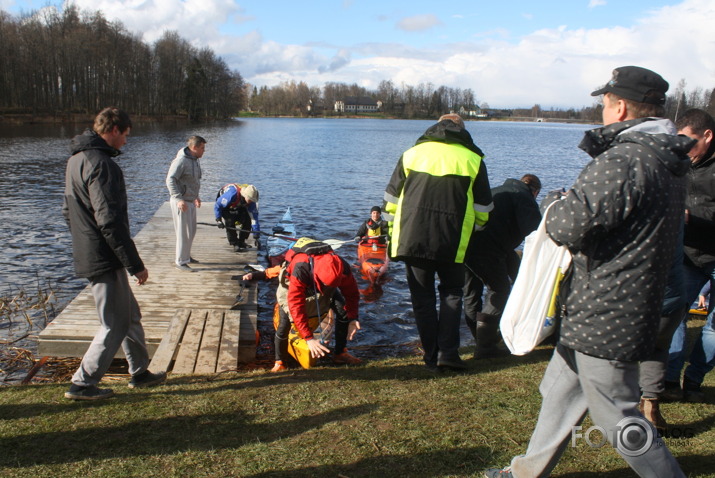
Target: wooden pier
{"x": 195, "y": 322}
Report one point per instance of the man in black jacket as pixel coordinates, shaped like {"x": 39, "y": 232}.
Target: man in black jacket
{"x": 95, "y": 207}
{"x": 620, "y": 219}
{"x": 490, "y": 258}
{"x": 699, "y": 267}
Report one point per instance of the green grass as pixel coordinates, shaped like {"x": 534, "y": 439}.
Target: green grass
{"x": 389, "y": 418}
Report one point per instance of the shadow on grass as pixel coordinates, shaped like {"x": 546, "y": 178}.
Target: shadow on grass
{"x": 163, "y": 436}
{"x": 688, "y": 463}
{"x": 450, "y": 462}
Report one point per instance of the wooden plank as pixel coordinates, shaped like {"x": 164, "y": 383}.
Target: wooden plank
{"x": 161, "y": 360}
{"x": 208, "y": 353}
{"x": 247, "y": 336}
{"x": 228, "y": 353}
{"x": 189, "y": 348}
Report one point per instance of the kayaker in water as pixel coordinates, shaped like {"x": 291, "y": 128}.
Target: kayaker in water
{"x": 235, "y": 209}
{"x": 312, "y": 280}
{"x": 374, "y": 228}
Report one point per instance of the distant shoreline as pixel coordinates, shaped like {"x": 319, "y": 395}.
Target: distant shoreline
{"x": 26, "y": 119}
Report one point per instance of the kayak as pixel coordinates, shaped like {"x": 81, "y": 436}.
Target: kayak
{"x": 278, "y": 246}
{"x": 297, "y": 347}
{"x": 698, "y": 312}
{"x": 373, "y": 260}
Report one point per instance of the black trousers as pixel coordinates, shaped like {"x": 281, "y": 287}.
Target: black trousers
{"x": 236, "y": 219}
{"x": 439, "y": 330}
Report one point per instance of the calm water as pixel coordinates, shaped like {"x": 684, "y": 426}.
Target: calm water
{"x": 330, "y": 171}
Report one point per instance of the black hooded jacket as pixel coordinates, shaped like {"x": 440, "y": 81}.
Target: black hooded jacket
{"x": 95, "y": 207}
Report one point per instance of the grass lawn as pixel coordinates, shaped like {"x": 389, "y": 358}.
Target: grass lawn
{"x": 387, "y": 418}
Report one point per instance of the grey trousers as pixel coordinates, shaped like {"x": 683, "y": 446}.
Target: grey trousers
{"x": 120, "y": 326}
{"x": 574, "y": 384}
{"x": 185, "y": 227}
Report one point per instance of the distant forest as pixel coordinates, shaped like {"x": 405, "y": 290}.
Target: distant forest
{"x": 77, "y": 62}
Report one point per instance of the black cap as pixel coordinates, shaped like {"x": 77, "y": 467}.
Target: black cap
{"x": 376, "y": 208}
{"x": 636, "y": 84}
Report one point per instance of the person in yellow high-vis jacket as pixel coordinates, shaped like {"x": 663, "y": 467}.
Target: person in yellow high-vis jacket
{"x": 437, "y": 197}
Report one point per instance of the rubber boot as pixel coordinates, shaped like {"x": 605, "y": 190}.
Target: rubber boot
{"x": 650, "y": 409}
{"x": 487, "y": 336}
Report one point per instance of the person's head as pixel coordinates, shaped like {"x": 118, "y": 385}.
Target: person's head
{"x": 633, "y": 92}
{"x": 454, "y": 118}
{"x": 375, "y": 213}
{"x": 113, "y": 125}
{"x": 250, "y": 193}
{"x": 197, "y": 146}
{"x": 700, "y": 126}
{"x": 533, "y": 182}
{"x": 329, "y": 269}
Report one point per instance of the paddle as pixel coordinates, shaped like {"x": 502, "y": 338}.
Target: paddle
{"x": 334, "y": 243}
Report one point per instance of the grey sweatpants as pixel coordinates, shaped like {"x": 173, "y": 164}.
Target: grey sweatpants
{"x": 574, "y": 384}
{"x": 185, "y": 227}
{"x": 120, "y": 326}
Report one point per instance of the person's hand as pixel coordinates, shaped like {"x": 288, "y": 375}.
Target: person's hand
{"x": 357, "y": 238}
{"x": 316, "y": 348}
{"x": 197, "y": 202}
{"x": 183, "y": 207}
{"x": 701, "y": 302}
{"x": 353, "y": 327}
{"x": 220, "y": 224}
{"x": 141, "y": 277}
{"x": 248, "y": 276}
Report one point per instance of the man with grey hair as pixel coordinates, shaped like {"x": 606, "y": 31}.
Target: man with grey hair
{"x": 620, "y": 219}
{"x": 184, "y": 181}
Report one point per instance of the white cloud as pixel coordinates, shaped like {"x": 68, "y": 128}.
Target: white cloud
{"x": 596, "y": 3}
{"x": 418, "y": 23}
{"x": 552, "y": 67}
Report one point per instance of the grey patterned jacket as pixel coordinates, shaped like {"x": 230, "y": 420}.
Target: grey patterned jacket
{"x": 620, "y": 220}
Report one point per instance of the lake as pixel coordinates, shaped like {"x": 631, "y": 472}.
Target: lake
{"x": 330, "y": 171}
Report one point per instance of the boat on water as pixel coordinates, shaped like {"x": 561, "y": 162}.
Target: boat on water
{"x": 373, "y": 260}
{"x": 278, "y": 244}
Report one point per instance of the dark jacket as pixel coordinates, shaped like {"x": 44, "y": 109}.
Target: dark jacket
{"x": 700, "y": 202}
{"x": 515, "y": 215}
{"x": 437, "y": 196}
{"x": 95, "y": 208}
{"x": 621, "y": 220}
{"x": 378, "y": 228}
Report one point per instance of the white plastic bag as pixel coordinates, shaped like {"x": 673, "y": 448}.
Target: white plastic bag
{"x": 530, "y": 313}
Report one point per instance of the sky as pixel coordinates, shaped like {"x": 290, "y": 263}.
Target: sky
{"x": 510, "y": 53}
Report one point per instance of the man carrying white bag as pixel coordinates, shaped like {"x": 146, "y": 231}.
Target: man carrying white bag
{"x": 530, "y": 314}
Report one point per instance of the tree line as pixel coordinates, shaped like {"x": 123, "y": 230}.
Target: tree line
{"x": 78, "y": 62}
{"x": 426, "y": 101}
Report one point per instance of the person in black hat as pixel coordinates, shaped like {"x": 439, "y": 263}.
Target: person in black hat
{"x": 621, "y": 219}
{"x": 374, "y": 228}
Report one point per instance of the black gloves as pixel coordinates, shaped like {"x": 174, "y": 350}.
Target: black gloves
{"x": 220, "y": 224}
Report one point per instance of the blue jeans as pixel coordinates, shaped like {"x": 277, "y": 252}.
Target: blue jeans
{"x": 702, "y": 358}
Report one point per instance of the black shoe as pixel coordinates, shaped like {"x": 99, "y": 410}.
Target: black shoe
{"x": 91, "y": 392}
{"x": 692, "y": 392}
{"x": 184, "y": 268}
{"x": 193, "y": 261}
{"x": 452, "y": 364}
{"x": 238, "y": 248}
{"x": 147, "y": 379}
{"x": 244, "y": 245}
{"x": 672, "y": 392}
{"x": 433, "y": 368}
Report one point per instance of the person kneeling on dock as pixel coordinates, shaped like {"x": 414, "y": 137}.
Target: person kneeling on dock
{"x": 236, "y": 207}
{"x": 312, "y": 280}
